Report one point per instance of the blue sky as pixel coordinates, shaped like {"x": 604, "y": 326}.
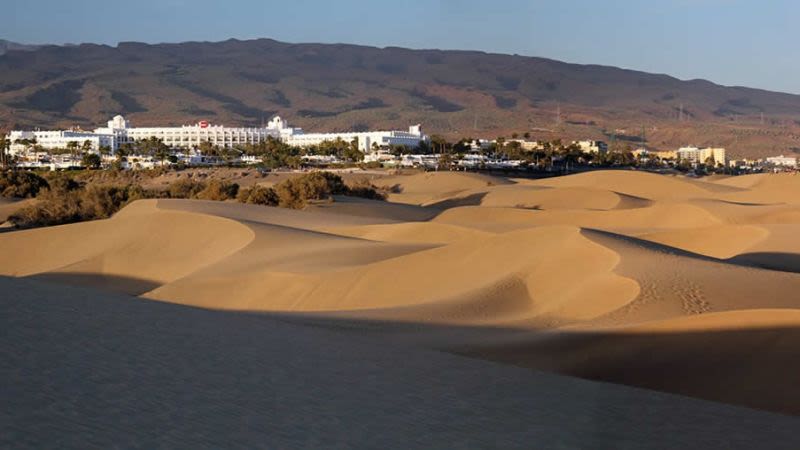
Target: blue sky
{"x": 732, "y": 42}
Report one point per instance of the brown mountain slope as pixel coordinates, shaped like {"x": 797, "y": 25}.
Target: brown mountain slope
{"x": 336, "y": 87}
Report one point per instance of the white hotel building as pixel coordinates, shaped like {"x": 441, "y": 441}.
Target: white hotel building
{"x": 367, "y": 140}
{"x": 699, "y": 155}
{"x": 59, "y": 139}
{"x": 118, "y": 131}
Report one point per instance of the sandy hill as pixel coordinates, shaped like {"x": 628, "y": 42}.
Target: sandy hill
{"x": 338, "y": 87}
{"x": 662, "y": 282}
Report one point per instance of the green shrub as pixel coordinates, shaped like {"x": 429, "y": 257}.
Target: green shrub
{"x": 218, "y": 190}
{"x": 363, "y": 188}
{"x": 57, "y": 207}
{"x": 258, "y": 195}
{"x": 101, "y": 202}
{"x": 295, "y": 192}
{"x": 21, "y": 184}
{"x": 63, "y": 183}
{"x": 68, "y": 203}
{"x": 64, "y": 200}
{"x": 91, "y": 160}
{"x": 185, "y": 188}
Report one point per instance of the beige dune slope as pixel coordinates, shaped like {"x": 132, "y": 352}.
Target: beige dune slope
{"x": 642, "y": 184}
{"x": 543, "y": 273}
{"x": 427, "y": 188}
{"x": 497, "y": 278}
{"x": 659, "y": 216}
{"x": 570, "y": 198}
{"x": 141, "y": 247}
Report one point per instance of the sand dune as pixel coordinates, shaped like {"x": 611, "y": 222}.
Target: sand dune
{"x": 656, "y": 281}
{"x": 140, "y": 243}
{"x": 423, "y": 232}
{"x": 571, "y": 198}
{"x": 659, "y": 216}
{"x": 642, "y": 184}
{"x": 360, "y": 275}
{"x": 720, "y": 241}
{"x": 428, "y": 188}
{"x": 744, "y": 357}
{"x": 765, "y": 188}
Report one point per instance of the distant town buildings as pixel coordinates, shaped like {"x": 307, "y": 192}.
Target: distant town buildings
{"x": 191, "y": 136}
{"x": 59, "y": 139}
{"x": 366, "y": 140}
{"x": 592, "y": 146}
{"x": 35, "y": 149}
{"x": 696, "y": 155}
{"x": 119, "y": 131}
{"x": 782, "y": 161}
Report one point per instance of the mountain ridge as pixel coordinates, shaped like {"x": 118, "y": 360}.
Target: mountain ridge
{"x": 6, "y": 45}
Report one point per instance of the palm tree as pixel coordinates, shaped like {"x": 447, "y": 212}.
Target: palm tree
{"x": 87, "y": 146}
{"x": 5, "y": 143}
{"x": 72, "y": 146}
{"x": 500, "y": 145}
{"x": 123, "y": 151}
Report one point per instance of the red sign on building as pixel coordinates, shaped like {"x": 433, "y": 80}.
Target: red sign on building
{"x": 203, "y": 124}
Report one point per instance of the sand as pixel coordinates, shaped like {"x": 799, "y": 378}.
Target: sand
{"x": 660, "y": 282}
{"x": 8, "y": 206}
{"x": 86, "y": 369}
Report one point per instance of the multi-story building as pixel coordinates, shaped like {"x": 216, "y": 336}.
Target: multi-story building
{"x": 592, "y": 146}
{"x": 528, "y": 145}
{"x": 783, "y": 161}
{"x": 367, "y": 140}
{"x": 191, "y": 136}
{"x": 119, "y": 131}
{"x": 22, "y": 140}
{"x": 664, "y": 154}
{"x": 700, "y": 155}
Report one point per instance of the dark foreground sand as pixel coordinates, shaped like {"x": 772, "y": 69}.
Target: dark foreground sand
{"x": 85, "y": 369}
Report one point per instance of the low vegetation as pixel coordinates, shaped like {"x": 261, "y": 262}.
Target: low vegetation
{"x": 363, "y": 188}
{"x": 297, "y": 192}
{"x": 71, "y": 202}
{"x": 185, "y": 188}
{"x": 21, "y": 184}
{"x": 212, "y": 190}
{"x": 66, "y": 199}
{"x": 218, "y": 190}
{"x": 258, "y": 195}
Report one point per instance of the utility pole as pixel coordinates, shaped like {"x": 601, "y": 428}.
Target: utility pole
{"x": 558, "y": 114}
{"x": 613, "y": 141}
{"x": 644, "y": 139}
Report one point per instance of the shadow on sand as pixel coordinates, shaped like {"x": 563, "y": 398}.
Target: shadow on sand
{"x": 86, "y": 368}
{"x": 113, "y": 283}
{"x": 753, "y": 367}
